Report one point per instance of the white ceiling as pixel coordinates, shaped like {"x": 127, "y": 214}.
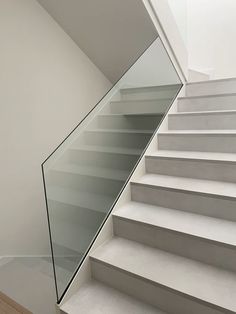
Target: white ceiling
{"x": 112, "y": 33}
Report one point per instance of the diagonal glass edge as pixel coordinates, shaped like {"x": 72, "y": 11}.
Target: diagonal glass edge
{"x": 76, "y": 127}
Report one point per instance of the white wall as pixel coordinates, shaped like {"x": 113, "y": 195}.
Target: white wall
{"x": 112, "y": 33}
{"x": 211, "y": 36}
{"x": 164, "y": 20}
{"x": 47, "y": 85}
{"x": 153, "y": 68}
{"x": 179, "y": 10}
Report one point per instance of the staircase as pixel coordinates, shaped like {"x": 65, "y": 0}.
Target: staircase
{"x": 85, "y": 181}
{"x": 174, "y": 244}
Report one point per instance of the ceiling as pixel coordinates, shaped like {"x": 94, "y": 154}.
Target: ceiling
{"x": 112, "y": 33}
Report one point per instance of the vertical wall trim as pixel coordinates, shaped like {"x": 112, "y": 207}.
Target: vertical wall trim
{"x": 181, "y": 67}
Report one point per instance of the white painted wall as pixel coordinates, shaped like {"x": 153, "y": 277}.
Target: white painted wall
{"x": 211, "y": 36}
{"x": 112, "y": 33}
{"x": 169, "y": 33}
{"x": 153, "y": 68}
{"x": 47, "y": 85}
{"x": 208, "y": 30}
{"x": 179, "y": 10}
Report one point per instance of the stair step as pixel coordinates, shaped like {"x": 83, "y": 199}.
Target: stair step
{"x": 118, "y": 138}
{"x": 121, "y": 262}
{"x": 189, "y": 184}
{"x": 93, "y": 171}
{"x": 65, "y": 267}
{"x": 204, "y": 132}
{"x": 106, "y": 300}
{"x": 129, "y": 121}
{"x": 109, "y": 150}
{"x": 224, "y": 157}
{"x": 223, "y": 141}
{"x": 202, "y": 238}
{"x": 131, "y": 115}
{"x": 117, "y": 158}
{"x": 120, "y": 131}
{"x": 76, "y": 214}
{"x": 71, "y": 235}
{"x": 130, "y": 107}
{"x": 216, "y": 87}
{"x": 198, "y": 165}
{"x": 97, "y": 202}
{"x": 225, "y": 119}
{"x": 207, "y": 103}
{"x": 204, "y": 197}
{"x": 150, "y": 92}
{"x": 84, "y": 183}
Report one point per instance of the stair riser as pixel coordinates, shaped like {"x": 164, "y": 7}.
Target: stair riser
{"x": 117, "y": 140}
{"x": 129, "y": 122}
{"x": 66, "y": 263}
{"x": 84, "y": 183}
{"x": 202, "y": 122}
{"x": 70, "y": 236}
{"x": 198, "y": 169}
{"x": 74, "y": 214}
{"x": 211, "y": 88}
{"x": 207, "y": 104}
{"x": 202, "y": 204}
{"x": 101, "y": 159}
{"x": 198, "y": 142}
{"x": 195, "y": 76}
{"x": 149, "y": 93}
{"x": 152, "y": 106}
{"x": 163, "y": 298}
{"x": 177, "y": 243}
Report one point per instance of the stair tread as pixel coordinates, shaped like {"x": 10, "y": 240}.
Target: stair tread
{"x": 205, "y": 112}
{"x": 128, "y": 131}
{"x": 210, "y": 228}
{"x": 207, "y": 96}
{"x": 96, "y": 202}
{"x": 131, "y": 114}
{"x": 105, "y": 300}
{"x": 94, "y": 171}
{"x": 208, "y": 156}
{"x": 200, "y": 132}
{"x": 112, "y": 150}
{"x": 150, "y": 88}
{"x": 133, "y": 101}
{"x": 195, "y": 279}
{"x": 77, "y": 237}
{"x": 229, "y": 79}
{"x": 225, "y": 189}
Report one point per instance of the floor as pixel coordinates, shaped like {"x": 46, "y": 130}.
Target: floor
{"x": 6, "y": 308}
{"x": 9, "y": 306}
{"x": 29, "y": 281}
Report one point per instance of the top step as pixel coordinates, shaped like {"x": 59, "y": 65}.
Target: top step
{"x": 213, "y": 87}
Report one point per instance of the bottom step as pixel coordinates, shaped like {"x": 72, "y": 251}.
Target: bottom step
{"x": 167, "y": 281}
{"x": 97, "y": 298}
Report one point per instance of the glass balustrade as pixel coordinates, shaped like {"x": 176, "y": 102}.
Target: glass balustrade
{"x": 84, "y": 176}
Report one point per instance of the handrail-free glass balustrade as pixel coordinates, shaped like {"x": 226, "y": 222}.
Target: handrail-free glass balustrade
{"x": 84, "y": 176}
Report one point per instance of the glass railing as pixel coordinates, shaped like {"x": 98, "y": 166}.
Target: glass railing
{"x": 84, "y": 176}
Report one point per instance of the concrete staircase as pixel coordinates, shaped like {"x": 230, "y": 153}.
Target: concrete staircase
{"x": 174, "y": 244}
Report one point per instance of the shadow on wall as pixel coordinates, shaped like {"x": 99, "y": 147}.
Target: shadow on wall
{"x": 112, "y": 33}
